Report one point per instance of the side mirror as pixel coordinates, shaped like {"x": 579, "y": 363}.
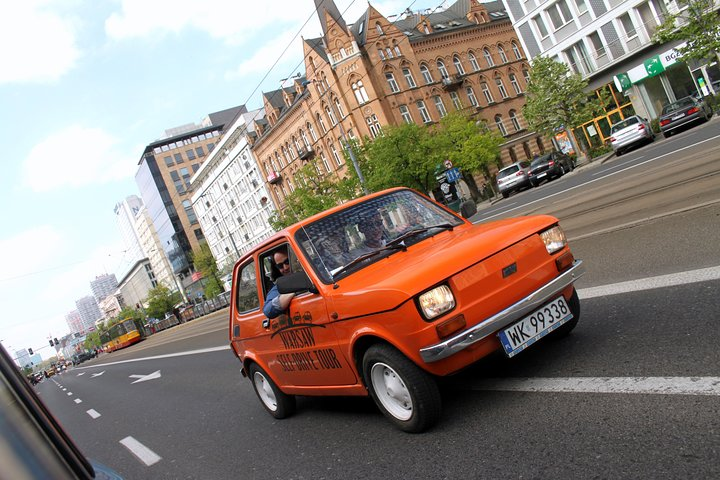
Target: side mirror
{"x": 295, "y": 283}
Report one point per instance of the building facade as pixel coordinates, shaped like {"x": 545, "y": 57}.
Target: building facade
{"x": 125, "y": 213}
{"x": 89, "y": 312}
{"x": 230, "y": 198}
{"x": 163, "y": 179}
{"x": 136, "y": 284}
{"x": 609, "y": 42}
{"x": 74, "y": 322}
{"x": 415, "y": 68}
{"x": 103, "y": 285}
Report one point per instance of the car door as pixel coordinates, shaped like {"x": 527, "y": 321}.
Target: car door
{"x": 300, "y": 346}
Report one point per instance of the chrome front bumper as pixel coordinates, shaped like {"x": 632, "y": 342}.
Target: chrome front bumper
{"x": 503, "y": 318}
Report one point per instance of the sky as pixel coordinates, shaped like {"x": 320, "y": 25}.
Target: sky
{"x": 85, "y": 85}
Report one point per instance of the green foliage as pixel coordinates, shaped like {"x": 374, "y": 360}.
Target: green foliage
{"x": 161, "y": 301}
{"x": 698, "y": 25}
{"x": 470, "y": 145}
{"x": 313, "y": 194}
{"x": 205, "y": 263}
{"x": 556, "y": 98}
{"x": 92, "y": 340}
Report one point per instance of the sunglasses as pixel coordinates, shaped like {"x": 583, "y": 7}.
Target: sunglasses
{"x": 285, "y": 262}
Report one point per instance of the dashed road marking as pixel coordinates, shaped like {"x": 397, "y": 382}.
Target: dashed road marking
{"x": 147, "y": 456}
{"x": 628, "y": 385}
{"x": 69, "y": 394}
{"x": 674, "y": 279}
{"x": 77, "y": 400}
{"x": 94, "y": 414}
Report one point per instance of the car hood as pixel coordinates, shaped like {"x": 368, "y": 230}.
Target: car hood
{"x": 388, "y": 283}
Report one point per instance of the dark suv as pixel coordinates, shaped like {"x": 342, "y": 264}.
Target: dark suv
{"x": 549, "y": 166}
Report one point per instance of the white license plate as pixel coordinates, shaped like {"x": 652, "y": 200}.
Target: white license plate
{"x": 542, "y": 175}
{"x": 532, "y": 328}
{"x": 678, "y": 117}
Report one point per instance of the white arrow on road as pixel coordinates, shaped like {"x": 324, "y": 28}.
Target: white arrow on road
{"x": 150, "y": 376}
{"x": 97, "y": 374}
{"x": 80, "y": 374}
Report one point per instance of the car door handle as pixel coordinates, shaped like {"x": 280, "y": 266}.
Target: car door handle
{"x": 266, "y": 323}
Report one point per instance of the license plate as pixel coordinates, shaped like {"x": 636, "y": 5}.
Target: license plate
{"x": 542, "y": 175}
{"x": 678, "y": 117}
{"x": 532, "y": 328}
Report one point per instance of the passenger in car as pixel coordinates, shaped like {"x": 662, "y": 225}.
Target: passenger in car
{"x": 335, "y": 250}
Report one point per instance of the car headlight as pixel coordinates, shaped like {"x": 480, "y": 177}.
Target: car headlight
{"x": 437, "y": 301}
{"x": 554, "y": 239}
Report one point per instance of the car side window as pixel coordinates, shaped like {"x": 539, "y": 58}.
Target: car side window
{"x": 270, "y": 271}
{"x": 246, "y": 287}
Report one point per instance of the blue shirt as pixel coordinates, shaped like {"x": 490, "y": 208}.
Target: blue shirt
{"x": 272, "y": 309}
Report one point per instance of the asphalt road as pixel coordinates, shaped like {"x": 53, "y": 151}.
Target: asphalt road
{"x": 633, "y": 392}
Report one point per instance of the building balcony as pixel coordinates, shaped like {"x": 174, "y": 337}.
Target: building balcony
{"x": 453, "y": 82}
{"x": 273, "y": 178}
{"x": 306, "y": 153}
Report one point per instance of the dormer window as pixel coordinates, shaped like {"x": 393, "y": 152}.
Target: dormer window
{"x": 379, "y": 29}
{"x": 426, "y": 29}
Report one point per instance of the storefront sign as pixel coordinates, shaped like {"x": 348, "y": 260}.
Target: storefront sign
{"x": 650, "y": 67}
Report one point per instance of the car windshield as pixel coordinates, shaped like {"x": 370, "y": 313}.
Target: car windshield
{"x": 508, "y": 171}
{"x": 679, "y": 105}
{"x": 372, "y": 229}
{"x": 624, "y": 124}
{"x": 540, "y": 161}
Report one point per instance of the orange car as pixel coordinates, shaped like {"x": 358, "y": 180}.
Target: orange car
{"x": 391, "y": 290}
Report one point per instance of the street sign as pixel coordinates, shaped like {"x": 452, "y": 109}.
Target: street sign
{"x": 448, "y": 164}
{"x": 453, "y": 175}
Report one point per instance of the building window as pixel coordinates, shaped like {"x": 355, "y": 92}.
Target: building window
{"x": 335, "y": 154}
{"x": 597, "y": 44}
{"x": 325, "y": 163}
{"x": 423, "y": 111}
{"x": 515, "y": 84}
{"x": 331, "y": 115}
{"x": 578, "y": 57}
{"x": 168, "y": 161}
{"x": 458, "y": 65}
{"x": 405, "y": 113}
{"x": 501, "y": 52}
{"x": 581, "y": 6}
{"x": 398, "y": 53}
{"x": 178, "y": 158}
{"x": 471, "y": 96}
{"x": 526, "y": 75}
{"x": 312, "y": 131}
{"x": 360, "y": 92}
{"x": 321, "y": 122}
{"x": 304, "y": 138}
{"x": 192, "y": 218}
{"x": 486, "y": 91}
{"x": 179, "y": 186}
{"x": 381, "y": 54}
{"x": 456, "y": 100}
{"x": 379, "y": 29}
{"x": 374, "y": 126}
{"x": 473, "y": 61}
{"x": 409, "y": 78}
{"x": 560, "y": 14}
{"x": 627, "y": 25}
{"x": 540, "y": 25}
{"x": 190, "y": 154}
{"x": 425, "y": 71}
{"x": 516, "y": 51}
{"x": 443, "y": 71}
{"x": 488, "y": 57}
{"x": 388, "y": 52}
{"x": 392, "y": 83}
{"x": 501, "y": 87}
{"x": 439, "y": 105}
{"x": 514, "y": 120}
{"x": 338, "y": 105}
{"x": 500, "y": 125}
{"x": 200, "y": 152}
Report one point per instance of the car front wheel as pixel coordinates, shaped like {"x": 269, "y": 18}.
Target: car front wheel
{"x": 408, "y": 396}
{"x": 277, "y": 403}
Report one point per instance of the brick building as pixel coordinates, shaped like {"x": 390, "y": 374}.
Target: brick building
{"x": 416, "y": 67}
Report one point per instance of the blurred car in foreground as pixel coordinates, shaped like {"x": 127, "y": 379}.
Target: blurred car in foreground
{"x": 682, "y": 113}
{"x": 33, "y": 445}
{"x": 549, "y": 166}
{"x": 514, "y": 177}
{"x": 629, "y": 133}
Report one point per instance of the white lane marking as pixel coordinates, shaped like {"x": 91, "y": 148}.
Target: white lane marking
{"x": 595, "y": 180}
{"x": 671, "y": 280}
{"x": 64, "y": 389}
{"x": 635, "y": 385}
{"x": 169, "y": 355}
{"x": 77, "y": 400}
{"x": 93, "y": 375}
{"x": 149, "y": 376}
{"x": 147, "y": 456}
{"x": 69, "y": 394}
{"x": 81, "y": 373}
{"x": 94, "y": 414}
{"x": 619, "y": 165}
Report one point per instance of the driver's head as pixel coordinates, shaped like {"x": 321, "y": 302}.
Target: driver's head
{"x": 282, "y": 262}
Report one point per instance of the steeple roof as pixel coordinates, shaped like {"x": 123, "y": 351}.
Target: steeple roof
{"x": 328, "y": 5}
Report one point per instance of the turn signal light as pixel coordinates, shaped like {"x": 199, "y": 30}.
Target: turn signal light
{"x": 641, "y": 127}
{"x": 693, "y": 110}
{"x": 448, "y": 327}
{"x": 564, "y": 261}
{"x": 664, "y": 122}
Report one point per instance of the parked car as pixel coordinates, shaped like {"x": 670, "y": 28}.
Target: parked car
{"x": 514, "y": 177}
{"x": 630, "y": 132}
{"x": 390, "y": 291}
{"x": 683, "y": 113}
{"x": 549, "y": 166}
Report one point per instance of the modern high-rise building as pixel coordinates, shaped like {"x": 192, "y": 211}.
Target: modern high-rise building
{"x": 163, "y": 178}
{"x": 103, "y": 285}
{"x": 74, "y": 321}
{"x": 89, "y": 312}
{"x": 125, "y": 212}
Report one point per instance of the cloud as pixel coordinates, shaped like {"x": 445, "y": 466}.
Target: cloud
{"x": 264, "y": 57}
{"x": 37, "y": 44}
{"x": 30, "y": 251}
{"x": 74, "y": 157}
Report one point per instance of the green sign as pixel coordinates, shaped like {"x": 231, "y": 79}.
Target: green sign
{"x": 653, "y": 66}
{"x": 622, "y": 82}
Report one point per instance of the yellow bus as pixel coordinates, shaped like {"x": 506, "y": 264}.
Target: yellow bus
{"x": 120, "y": 335}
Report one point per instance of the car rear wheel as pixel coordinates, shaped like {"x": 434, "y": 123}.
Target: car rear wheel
{"x": 408, "y": 396}
{"x": 277, "y": 403}
{"x": 505, "y": 194}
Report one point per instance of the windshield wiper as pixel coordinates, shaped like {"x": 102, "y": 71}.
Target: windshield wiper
{"x": 415, "y": 231}
{"x": 365, "y": 256}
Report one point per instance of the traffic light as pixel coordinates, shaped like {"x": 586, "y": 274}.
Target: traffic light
{"x": 30, "y": 351}
{"x": 51, "y": 343}
{"x": 56, "y": 341}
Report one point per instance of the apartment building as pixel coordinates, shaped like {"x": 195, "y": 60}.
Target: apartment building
{"x": 103, "y": 285}
{"x": 609, "y": 42}
{"x": 230, "y": 198}
{"x": 163, "y": 178}
{"x": 414, "y": 67}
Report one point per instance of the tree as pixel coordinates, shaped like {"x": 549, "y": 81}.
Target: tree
{"x": 313, "y": 194}
{"x": 403, "y": 155}
{"x": 698, "y": 25}
{"x": 161, "y": 301}
{"x": 469, "y": 145}
{"x": 556, "y": 99}
{"x": 204, "y": 262}
{"x": 92, "y": 340}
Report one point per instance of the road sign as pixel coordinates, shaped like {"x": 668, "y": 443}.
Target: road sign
{"x": 453, "y": 175}
{"x": 448, "y": 164}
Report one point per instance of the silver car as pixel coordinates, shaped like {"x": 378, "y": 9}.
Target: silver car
{"x": 514, "y": 177}
{"x": 684, "y": 113}
{"x": 629, "y": 133}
